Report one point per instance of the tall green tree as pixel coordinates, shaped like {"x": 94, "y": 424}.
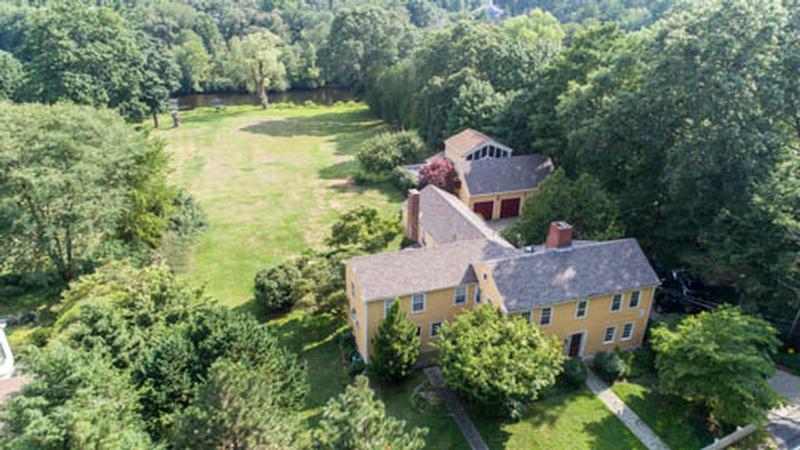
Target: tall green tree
{"x": 75, "y": 400}
{"x": 720, "y": 359}
{"x": 68, "y": 174}
{"x": 10, "y": 75}
{"x": 356, "y": 420}
{"x": 501, "y": 363}
{"x": 593, "y": 213}
{"x": 261, "y": 60}
{"x": 362, "y": 40}
{"x": 160, "y": 76}
{"x": 193, "y": 60}
{"x": 236, "y": 409}
{"x": 87, "y": 55}
{"x": 395, "y": 348}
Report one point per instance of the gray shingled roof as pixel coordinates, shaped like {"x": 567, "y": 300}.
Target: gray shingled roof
{"x": 393, "y": 274}
{"x": 515, "y": 173}
{"x": 556, "y": 275}
{"x": 447, "y": 219}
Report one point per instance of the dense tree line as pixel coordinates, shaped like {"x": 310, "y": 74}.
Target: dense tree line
{"x": 133, "y": 55}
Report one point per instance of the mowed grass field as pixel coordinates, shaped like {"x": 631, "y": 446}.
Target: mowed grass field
{"x": 271, "y": 183}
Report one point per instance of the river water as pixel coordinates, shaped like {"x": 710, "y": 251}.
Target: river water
{"x": 324, "y": 96}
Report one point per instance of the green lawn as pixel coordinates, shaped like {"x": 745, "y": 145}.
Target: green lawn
{"x": 271, "y": 183}
{"x": 443, "y": 433}
{"x": 574, "y": 420}
{"x": 679, "y": 424}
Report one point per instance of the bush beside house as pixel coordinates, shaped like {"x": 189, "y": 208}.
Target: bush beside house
{"x": 278, "y": 288}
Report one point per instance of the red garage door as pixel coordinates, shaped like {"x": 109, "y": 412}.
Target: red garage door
{"x": 484, "y": 208}
{"x": 509, "y": 207}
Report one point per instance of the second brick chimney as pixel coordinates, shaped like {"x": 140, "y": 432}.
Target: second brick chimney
{"x": 412, "y": 215}
{"x": 559, "y": 236}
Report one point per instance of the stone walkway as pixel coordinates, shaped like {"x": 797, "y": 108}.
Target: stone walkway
{"x": 625, "y": 414}
{"x": 463, "y": 421}
{"x": 784, "y": 422}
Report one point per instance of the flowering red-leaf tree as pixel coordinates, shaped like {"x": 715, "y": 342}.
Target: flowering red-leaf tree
{"x": 440, "y": 172}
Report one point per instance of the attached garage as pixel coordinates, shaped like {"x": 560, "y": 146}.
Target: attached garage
{"x": 509, "y": 207}
{"x": 485, "y": 209}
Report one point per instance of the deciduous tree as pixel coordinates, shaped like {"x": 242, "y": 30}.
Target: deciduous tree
{"x": 440, "y": 172}
{"x": 261, "y": 60}
{"x": 720, "y": 359}
{"x": 363, "y": 229}
{"x": 499, "y": 362}
{"x": 593, "y": 213}
{"x": 69, "y": 174}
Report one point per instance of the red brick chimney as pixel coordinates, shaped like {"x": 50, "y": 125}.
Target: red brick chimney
{"x": 559, "y": 236}
{"x": 412, "y": 215}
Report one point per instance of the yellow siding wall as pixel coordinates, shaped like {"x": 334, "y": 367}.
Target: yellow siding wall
{"x": 471, "y": 200}
{"x": 358, "y": 320}
{"x": 439, "y": 307}
{"x": 563, "y": 322}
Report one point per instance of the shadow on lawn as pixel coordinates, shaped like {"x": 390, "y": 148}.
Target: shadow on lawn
{"x": 344, "y": 126}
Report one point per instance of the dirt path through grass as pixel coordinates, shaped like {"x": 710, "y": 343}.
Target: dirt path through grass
{"x": 271, "y": 183}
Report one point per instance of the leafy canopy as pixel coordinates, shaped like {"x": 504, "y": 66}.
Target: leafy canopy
{"x": 593, "y": 213}
{"x": 720, "y": 359}
{"x": 363, "y": 229}
{"x": 440, "y": 172}
{"x": 73, "y": 178}
{"x": 236, "y": 408}
{"x": 499, "y": 362}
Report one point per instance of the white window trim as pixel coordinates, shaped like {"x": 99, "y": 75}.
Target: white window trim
{"x": 541, "y": 315}
{"x": 466, "y": 295}
{"x": 530, "y": 316}
{"x": 584, "y": 334}
{"x": 585, "y": 310}
{"x": 431, "y": 329}
{"x": 638, "y": 300}
{"x": 424, "y": 303}
{"x": 633, "y": 330}
{"x": 387, "y": 304}
{"x": 621, "y": 302}
{"x": 613, "y": 334}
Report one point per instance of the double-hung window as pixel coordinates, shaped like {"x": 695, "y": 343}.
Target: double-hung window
{"x": 616, "y": 303}
{"x": 461, "y": 295}
{"x": 581, "y": 308}
{"x": 546, "y": 317}
{"x": 627, "y": 331}
{"x": 608, "y": 337}
{"x": 527, "y": 316}
{"x": 477, "y": 294}
{"x": 417, "y": 303}
{"x": 435, "y": 328}
{"x": 387, "y": 306}
{"x": 634, "y": 301}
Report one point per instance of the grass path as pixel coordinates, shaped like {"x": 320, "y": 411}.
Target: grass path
{"x": 271, "y": 183}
